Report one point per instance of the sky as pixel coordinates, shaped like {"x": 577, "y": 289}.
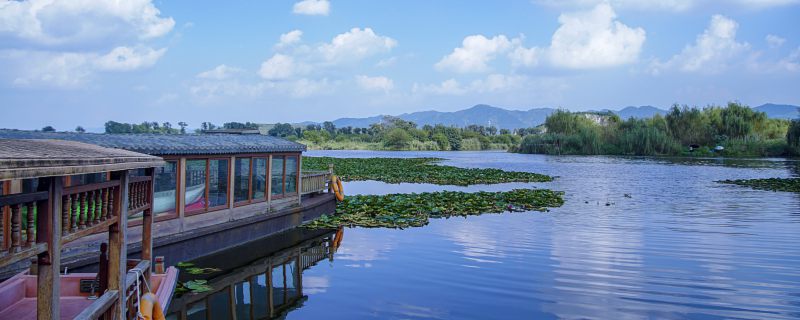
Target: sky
{"x": 84, "y": 62}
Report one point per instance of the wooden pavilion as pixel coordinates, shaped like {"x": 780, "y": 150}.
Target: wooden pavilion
{"x": 50, "y": 215}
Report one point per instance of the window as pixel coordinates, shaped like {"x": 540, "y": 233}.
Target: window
{"x": 217, "y": 182}
{"x": 196, "y": 311}
{"x": 278, "y": 280}
{"x": 195, "y": 185}
{"x": 90, "y": 178}
{"x": 259, "y": 178}
{"x": 241, "y": 185}
{"x": 260, "y": 306}
{"x": 242, "y": 300}
{"x": 277, "y": 176}
{"x": 291, "y": 175}
{"x": 165, "y": 185}
{"x": 219, "y": 305}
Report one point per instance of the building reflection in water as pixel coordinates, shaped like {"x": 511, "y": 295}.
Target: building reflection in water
{"x": 259, "y": 280}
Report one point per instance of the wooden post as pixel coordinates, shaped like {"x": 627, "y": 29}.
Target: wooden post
{"x": 269, "y": 184}
{"x": 147, "y": 222}
{"x": 231, "y": 186}
{"x": 180, "y": 203}
{"x": 49, "y": 232}
{"x": 299, "y": 179}
{"x": 117, "y": 249}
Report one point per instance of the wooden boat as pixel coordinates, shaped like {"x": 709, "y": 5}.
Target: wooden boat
{"x": 18, "y": 294}
{"x": 55, "y": 215}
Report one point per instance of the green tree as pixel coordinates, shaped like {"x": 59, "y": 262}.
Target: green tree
{"x": 80, "y": 129}
{"x": 442, "y": 141}
{"x": 397, "y": 139}
{"x": 49, "y": 129}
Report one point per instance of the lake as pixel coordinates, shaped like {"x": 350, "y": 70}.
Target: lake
{"x": 636, "y": 238}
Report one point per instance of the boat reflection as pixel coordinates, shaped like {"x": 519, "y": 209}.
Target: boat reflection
{"x": 262, "y": 279}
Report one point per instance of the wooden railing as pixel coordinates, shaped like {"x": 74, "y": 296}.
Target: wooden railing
{"x": 138, "y": 190}
{"x": 105, "y": 306}
{"x": 88, "y": 209}
{"x": 22, "y": 243}
{"x": 314, "y": 181}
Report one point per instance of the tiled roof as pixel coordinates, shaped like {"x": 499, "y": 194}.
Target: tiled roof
{"x": 20, "y": 159}
{"x": 170, "y": 144}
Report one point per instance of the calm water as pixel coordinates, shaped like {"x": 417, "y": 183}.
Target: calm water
{"x": 681, "y": 246}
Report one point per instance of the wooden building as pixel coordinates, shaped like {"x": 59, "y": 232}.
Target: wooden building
{"x": 224, "y": 187}
{"x": 41, "y": 222}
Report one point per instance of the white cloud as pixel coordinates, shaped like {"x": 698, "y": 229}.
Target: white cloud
{"x": 379, "y": 83}
{"x": 280, "y": 67}
{"x": 594, "y": 39}
{"x": 355, "y": 45}
{"x": 791, "y": 63}
{"x": 111, "y": 35}
{"x": 667, "y": 5}
{"x": 220, "y": 72}
{"x": 475, "y": 53}
{"x": 127, "y": 59}
{"x": 491, "y": 84}
{"x": 774, "y": 41}
{"x": 38, "y": 68}
{"x": 388, "y": 62}
{"x": 447, "y": 87}
{"x": 713, "y": 51}
{"x": 312, "y": 7}
{"x": 55, "y": 23}
{"x": 524, "y": 57}
{"x": 290, "y": 38}
{"x": 32, "y": 68}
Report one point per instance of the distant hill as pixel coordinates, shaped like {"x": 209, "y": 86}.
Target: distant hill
{"x": 511, "y": 119}
{"x": 779, "y": 111}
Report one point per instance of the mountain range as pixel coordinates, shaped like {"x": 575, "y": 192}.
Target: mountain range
{"x": 511, "y": 119}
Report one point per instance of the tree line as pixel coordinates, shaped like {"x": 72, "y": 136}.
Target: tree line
{"x": 732, "y": 130}
{"x": 394, "y": 133}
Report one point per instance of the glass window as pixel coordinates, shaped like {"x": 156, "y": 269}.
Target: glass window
{"x": 90, "y": 178}
{"x": 217, "y": 182}
{"x": 277, "y": 175}
{"x": 30, "y": 185}
{"x": 259, "y": 178}
{"x": 241, "y": 185}
{"x": 165, "y": 184}
{"x": 195, "y": 185}
{"x": 278, "y": 280}
{"x": 291, "y": 175}
{"x": 292, "y": 279}
{"x": 242, "y": 300}
{"x": 260, "y": 307}
{"x": 196, "y": 311}
{"x": 219, "y": 305}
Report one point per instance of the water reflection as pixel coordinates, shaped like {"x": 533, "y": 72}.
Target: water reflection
{"x": 259, "y": 280}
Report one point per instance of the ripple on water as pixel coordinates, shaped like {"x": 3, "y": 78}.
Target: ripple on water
{"x": 681, "y": 246}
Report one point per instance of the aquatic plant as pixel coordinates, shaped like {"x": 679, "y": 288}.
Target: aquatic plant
{"x": 193, "y": 286}
{"x": 416, "y": 170}
{"x": 414, "y": 210}
{"x": 770, "y": 184}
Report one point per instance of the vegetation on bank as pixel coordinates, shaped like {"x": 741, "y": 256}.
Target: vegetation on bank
{"x": 416, "y": 170}
{"x": 739, "y": 130}
{"x": 398, "y": 134}
{"x": 770, "y": 184}
{"x": 415, "y": 209}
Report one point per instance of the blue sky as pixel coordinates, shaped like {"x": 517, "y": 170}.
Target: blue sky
{"x": 83, "y": 62}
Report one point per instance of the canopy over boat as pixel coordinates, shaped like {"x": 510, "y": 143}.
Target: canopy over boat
{"x": 55, "y": 215}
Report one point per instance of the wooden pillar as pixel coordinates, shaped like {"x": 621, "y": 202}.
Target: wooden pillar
{"x": 299, "y": 179}
{"x": 180, "y": 203}
{"x": 231, "y": 189}
{"x": 147, "y": 223}
{"x": 269, "y": 183}
{"x": 49, "y": 232}
{"x": 117, "y": 249}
